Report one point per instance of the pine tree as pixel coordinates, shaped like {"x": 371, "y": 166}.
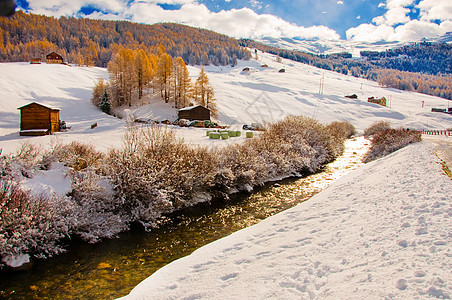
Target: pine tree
{"x": 104, "y": 103}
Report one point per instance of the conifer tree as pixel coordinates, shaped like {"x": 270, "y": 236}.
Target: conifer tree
{"x": 203, "y": 93}
{"x": 104, "y": 103}
{"x": 164, "y": 76}
{"x": 183, "y": 91}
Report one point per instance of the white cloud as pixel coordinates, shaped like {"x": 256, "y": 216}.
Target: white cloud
{"x": 435, "y": 10}
{"x": 358, "y": 17}
{"x": 396, "y": 25}
{"x": 340, "y": 2}
{"x": 236, "y": 22}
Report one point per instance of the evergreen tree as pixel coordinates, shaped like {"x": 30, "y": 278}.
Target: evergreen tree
{"x": 104, "y": 103}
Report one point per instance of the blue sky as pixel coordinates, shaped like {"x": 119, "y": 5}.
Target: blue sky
{"x": 364, "y": 20}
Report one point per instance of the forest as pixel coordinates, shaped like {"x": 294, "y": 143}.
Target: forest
{"x": 421, "y": 67}
{"x": 137, "y": 73}
{"x": 93, "y": 42}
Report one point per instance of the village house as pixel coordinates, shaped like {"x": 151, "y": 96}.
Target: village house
{"x": 196, "y": 112}
{"x": 54, "y": 58}
{"x": 38, "y": 119}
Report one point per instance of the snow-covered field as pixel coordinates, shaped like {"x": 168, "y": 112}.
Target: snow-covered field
{"x": 262, "y": 94}
{"x": 381, "y": 232}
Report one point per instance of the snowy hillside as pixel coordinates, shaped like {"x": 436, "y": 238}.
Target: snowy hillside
{"x": 262, "y": 94}
{"x": 327, "y": 46}
{"x": 318, "y": 46}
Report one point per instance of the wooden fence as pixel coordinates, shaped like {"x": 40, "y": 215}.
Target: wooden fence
{"x": 446, "y": 132}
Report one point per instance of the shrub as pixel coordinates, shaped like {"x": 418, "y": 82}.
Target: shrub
{"x": 75, "y": 155}
{"x": 376, "y": 127}
{"x": 155, "y": 173}
{"x": 32, "y": 225}
{"x": 96, "y": 208}
{"x": 387, "y": 141}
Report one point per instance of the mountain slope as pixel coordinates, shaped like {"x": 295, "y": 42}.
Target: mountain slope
{"x": 260, "y": 95}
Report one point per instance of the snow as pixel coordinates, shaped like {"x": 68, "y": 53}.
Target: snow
{"x": 54, "y": 182}
{"x": 261, "y": 95}
{"x": 382, "y": 231}
{"x": 15, "y": 261}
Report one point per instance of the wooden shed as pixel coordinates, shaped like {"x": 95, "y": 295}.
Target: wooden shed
{"x": 381, "y": 101}
{"x": 197, "y": 112}
{"x": 35, "y": 61}
{"x": 38, "y": 119}
{"x": 54, "y": 58}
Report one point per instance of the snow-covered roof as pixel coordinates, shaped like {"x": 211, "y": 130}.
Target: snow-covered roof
{"x": 190, "y": 107}
{"x": 46, "y": 106}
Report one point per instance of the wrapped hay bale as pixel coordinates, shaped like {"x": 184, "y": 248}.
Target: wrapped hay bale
{"x": 215, "y": 135}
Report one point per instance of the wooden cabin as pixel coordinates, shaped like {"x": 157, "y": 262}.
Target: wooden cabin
{"x": 54, "y": 58}
{"x": 35, "y": 61}
{"x": 192, "y": 113}
{"x": 38, "y": 119}
{"x": 381, "y": 101}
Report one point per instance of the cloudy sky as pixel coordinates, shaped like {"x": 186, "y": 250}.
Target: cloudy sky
{"x": 362, "y": 20}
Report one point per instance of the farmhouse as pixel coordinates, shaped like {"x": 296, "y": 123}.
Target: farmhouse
{"x": 54, "y": 58}
{"x": 381, "y": 101}
{"x": 197, "y": 112}
{"x": 38, "y": 119}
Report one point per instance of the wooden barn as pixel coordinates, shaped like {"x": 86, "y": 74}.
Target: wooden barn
{"x": 381, "y": 101}
{"x": 35, "y": 61}
{"x": 54, "y": 58}
{"x": 192, "y": 113}
{"x": 38, "y": 119}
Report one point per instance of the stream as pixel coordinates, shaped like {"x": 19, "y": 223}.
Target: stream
{"x": 111, "y": 269}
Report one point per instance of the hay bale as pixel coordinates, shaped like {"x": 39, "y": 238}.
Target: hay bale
{"x": 249, "y": 134}
{"x": 238, "y": 133}
{"x": 224, "y": 136}
{"x": 232, "y": 133}
{"x": 214, "y": 135}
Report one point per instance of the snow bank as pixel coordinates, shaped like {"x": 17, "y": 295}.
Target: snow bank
{"x": 383, "y": 231}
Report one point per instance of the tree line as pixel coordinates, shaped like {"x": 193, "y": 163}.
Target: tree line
{"x": 93, "y": 42}
{"x": 137, "y": 73}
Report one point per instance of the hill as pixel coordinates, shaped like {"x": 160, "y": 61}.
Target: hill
{"x": 259, "y": 95}
{"x": 92, "y": 42}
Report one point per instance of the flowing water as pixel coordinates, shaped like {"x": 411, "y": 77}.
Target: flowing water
{"x": 112, "y": 268}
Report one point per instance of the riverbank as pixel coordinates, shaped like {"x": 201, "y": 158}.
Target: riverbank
{"x": 112, "y": 268}
{"x": 383, "y": 230}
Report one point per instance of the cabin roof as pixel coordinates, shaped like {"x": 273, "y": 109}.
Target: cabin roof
{"x": 192, "y": 107}
{"x": 40, "y": 104}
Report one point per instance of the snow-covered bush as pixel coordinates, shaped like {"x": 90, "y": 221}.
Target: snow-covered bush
{"x": 32, "y": 225}
{"x": 156, "y": 173}
{"x": 376, "y": 127}
{"x": 387, "y": 141}
{"x": 75, "y": 155}
{"x": 339, "y": 131}
{"x": 289, "y": 147}
{"x": 24, "y": 163}
{"x": 96, "y": 209}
